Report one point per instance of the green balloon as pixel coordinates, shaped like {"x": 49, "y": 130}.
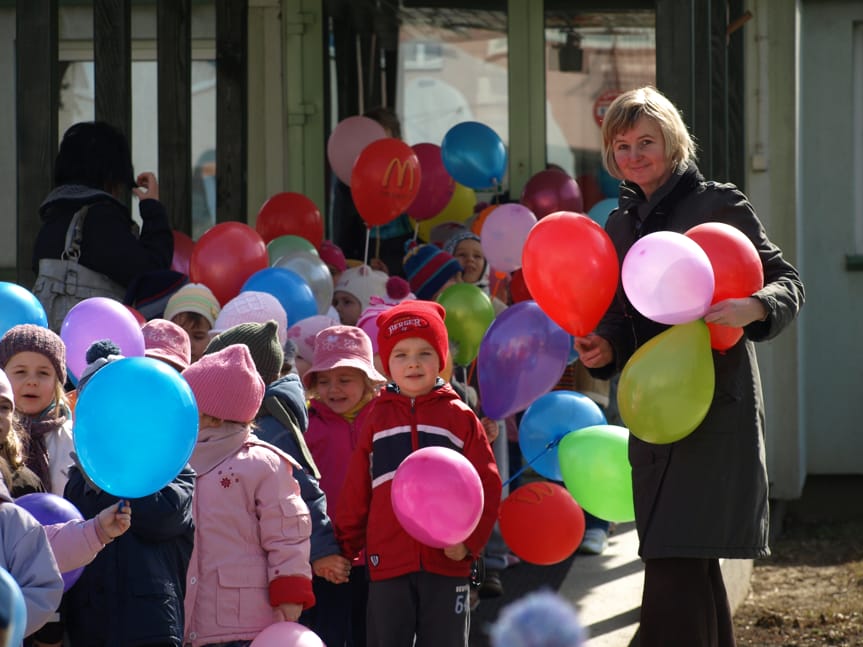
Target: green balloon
{"x": 286, "y": 245}
{"x": 594, "y": 462}
{"x": 667, "y": 385}
{"x": 469, "y": 313}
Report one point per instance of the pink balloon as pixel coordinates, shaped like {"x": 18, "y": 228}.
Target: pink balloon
{"x": 551, "y": 190}
{"x": 99, "y": 318}
{"x": 437, "y": 496}
{"x": 436, "y": 185}
{"x": 503, "y": 234}
{"x": 287, "y": 634}
{"x": 668, "y": 278}
{"x": 347, "y": 141}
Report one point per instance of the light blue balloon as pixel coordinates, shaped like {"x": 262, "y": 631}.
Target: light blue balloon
{"x": 547, "y": 421}
{"x": 136, "y": 424}
{"x": 19, "y": 306}
{"x": 291, "y": 290}
{"x": 12, "y": 599}
{"x": 601, "y": 210}
{"x": 474, "y": 155}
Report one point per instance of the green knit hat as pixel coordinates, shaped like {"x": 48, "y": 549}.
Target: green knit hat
{"x": 262, "y": 340}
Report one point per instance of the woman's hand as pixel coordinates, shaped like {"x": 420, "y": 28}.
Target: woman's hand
{"x": 148, "y": 187}
{"x": 736, "y": 313}
{"x": 593, "y": 351}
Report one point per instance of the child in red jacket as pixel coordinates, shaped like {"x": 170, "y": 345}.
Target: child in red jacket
{"x": 416, "y": 591}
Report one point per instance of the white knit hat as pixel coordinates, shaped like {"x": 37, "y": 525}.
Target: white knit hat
{"x": 252, "y": 307}
{"x": 363, "y": 283}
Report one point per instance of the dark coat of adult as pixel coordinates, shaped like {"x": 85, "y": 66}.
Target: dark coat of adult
{"x": 704, "y": 496}
{"x": 111, "y": 243}
{"x": 132, "y": 593}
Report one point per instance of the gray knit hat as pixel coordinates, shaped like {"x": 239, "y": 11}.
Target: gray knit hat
{"x": 30, "y": 337}
{"x": 262, "y": 340}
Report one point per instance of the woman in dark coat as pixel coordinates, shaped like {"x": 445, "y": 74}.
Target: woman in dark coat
{"x": 703, "y": 497}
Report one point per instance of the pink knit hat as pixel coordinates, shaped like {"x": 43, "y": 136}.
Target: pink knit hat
{"x": 226, "y": 384}
{"x": 338, "y": 346}
{"x": 6, "y": 388}
{"x": 363, "y": 283}
{"x": 168, "y": 342}
{"x": 304, "y": 331}
{"x": 252, "y": 307}
{"x": 332, "y": 254}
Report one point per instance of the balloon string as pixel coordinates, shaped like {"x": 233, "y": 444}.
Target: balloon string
{"x": 470, "y": 372}
{"x": 378, "y": 243}
{"x": 523, "y": 468}
{"x": 416, "y": 231}
{"x": 366, "y": 257}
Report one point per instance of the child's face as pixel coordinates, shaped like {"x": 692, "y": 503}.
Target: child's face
{"x": 199, "y": 332}
{"x": 414, "y": 366}
{"x": 7, "y": 411}
{"x": 341, "y": 389}
{"x": 469, "y": 254}
{"x": 348, "y": 307}
{"x": 34, "y": 381}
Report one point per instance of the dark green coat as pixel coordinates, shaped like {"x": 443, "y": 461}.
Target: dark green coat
{"x": 705, "y": 495}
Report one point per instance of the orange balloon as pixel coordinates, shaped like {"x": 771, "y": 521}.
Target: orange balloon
{"x": 571, "y": 268}
{"x": 385, "y": 180}
{"x": 476, "y": 225}
{"x": 541, "y": 523}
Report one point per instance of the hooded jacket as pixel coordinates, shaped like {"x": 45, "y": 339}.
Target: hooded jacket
{"x": 398, "y": 426}
{"x": 704, "y": 496}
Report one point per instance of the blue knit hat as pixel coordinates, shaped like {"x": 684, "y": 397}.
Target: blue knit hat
{"x": 428, "y": 268}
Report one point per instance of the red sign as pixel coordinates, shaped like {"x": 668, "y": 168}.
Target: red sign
{"x": 601, "y": 104}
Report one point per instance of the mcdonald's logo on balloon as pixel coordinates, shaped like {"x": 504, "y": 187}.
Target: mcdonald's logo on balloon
{"x": 385, "y": 180}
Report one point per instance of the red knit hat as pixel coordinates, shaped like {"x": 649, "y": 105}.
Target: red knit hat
{"x": 414, "y": 318}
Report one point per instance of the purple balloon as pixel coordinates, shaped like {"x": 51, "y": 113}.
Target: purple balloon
{"x": 99, "y": 318}
{"x": 503, "y": 234}
{"x": 49, "y": 509}
{"x": 522, "y": 356}
{"x": 436, "y": 185}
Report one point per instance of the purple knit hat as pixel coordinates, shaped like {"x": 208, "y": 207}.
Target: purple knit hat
{"x": 226, "y": 384}
{"x": 30, "y": 337}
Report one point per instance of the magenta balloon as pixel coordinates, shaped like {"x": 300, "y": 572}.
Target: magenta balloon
{"x": 284, "y": 634}
{"x": 521, "y": 336}
{"x": 503, "y": 234}
{"x": 347, "y": 141}
{"x": 436, "y": 185}
{"x": 99, "y": 318}
{"x": 551, "y": 190}
{"x": 668, "y": 278}
{"x": 437, "y": 496}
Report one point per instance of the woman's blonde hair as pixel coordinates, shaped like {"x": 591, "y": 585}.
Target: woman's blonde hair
{"x": 648, "y": 102}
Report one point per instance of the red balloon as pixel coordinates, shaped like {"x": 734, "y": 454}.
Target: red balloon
{"x": 551, "y": 190}
{"x": 141, "y": 319}
{"x": 737, "y": 271}
{"x": 183, "y": 246}
{"x": 385, "y": 180}
{"x": 436, "y": 185}
{"x": 225, "y": 256}
{"x": 517, "y": 288}
{"x": 571, "y": 268}
{"x": 290, "y": 214}
{"x": 541, "y": 523}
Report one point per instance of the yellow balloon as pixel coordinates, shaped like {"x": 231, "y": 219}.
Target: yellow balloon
{"x": 666, "y": 387}
{"x": 458, "y": 209}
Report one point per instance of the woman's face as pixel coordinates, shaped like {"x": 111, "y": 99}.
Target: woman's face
{"x": 469, "y": 255}
{"x": 640, "y": 155}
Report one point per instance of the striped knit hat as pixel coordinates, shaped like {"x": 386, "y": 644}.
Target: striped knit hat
{"x": 193, "y": 297}
{"x": 428, "y": 268}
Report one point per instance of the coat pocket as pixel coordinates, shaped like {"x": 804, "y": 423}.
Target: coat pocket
{"x": 243, "y": 597}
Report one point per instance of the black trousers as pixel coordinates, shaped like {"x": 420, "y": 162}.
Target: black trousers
{"x": 685, "y": 604}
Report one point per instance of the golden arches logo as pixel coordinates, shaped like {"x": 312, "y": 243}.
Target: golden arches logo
{"x": 535, "y": 492}
{"x": 402, "y": 169}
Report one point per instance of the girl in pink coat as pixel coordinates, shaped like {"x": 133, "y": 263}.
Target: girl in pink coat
{"x": 250, "y": 564}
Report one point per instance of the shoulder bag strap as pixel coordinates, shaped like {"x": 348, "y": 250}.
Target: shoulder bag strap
{"x": 75, "y": 235}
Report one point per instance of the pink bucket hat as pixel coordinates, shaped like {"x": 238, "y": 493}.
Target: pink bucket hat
{"x": 304, "y": 331}
{"x": 252, "y": 307}
{"x": 338, "y": 346}
{"x": 226, "y": 384}
{"x": 168, "y": 342}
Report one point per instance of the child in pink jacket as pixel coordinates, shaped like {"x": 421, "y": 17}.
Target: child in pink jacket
{"x": 250, "y": 564}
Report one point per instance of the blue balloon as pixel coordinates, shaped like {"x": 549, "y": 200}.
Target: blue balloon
{"x": 474, "y": 155}
{"x": 12, "y": 599}
{"x": 608, "y": 184}
{"x": 289, "y": 288}
{"x": 19, "y": 306}
{"x": 601, "y": 210}
{"x": 547, "y": 421}
{"x": 136, "y": 424}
